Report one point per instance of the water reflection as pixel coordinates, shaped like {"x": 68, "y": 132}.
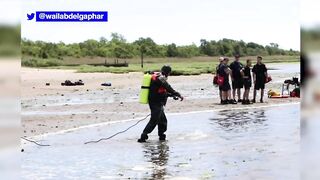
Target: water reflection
{"x": 158, "y": 154}
{"x": 230, "y": 120}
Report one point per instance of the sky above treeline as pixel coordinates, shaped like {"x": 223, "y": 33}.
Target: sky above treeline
{"x": 166, "y": 21}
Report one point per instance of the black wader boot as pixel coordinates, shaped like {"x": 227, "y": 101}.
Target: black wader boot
{"x": 157, "y": 118}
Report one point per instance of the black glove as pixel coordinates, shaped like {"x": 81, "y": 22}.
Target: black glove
{"x": 175, "y": 96}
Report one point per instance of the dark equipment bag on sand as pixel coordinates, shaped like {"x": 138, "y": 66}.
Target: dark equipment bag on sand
{"x": 69, "y": 83}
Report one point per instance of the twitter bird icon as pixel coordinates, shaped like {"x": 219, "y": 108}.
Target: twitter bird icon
{"x": 30, "y": 16}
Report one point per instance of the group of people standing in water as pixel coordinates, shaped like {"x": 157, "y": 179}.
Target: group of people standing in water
{"x": 242, "y": 76}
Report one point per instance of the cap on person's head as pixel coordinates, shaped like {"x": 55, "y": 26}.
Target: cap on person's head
{"x": 221, "y": 59}
{"x": 226, "y": 59}
{"x": 166, "y": 70}
{"x": 259, "y": 57}
{"x": 237, "y": 56}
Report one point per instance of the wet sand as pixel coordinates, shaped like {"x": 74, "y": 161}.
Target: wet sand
{"x": 261, "y": 143}
{"x": 54, "y": 108}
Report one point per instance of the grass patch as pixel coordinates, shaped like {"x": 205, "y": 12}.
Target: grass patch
{"x": 180, "y": 66}
{"x": 41, "y": 62}
{"x": 194, "y": 68}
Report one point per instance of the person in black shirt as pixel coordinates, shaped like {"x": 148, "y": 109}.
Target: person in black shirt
{"x": 259, "y": 77}
{"x": 160, "y": 89}
{"x": 236, "y": 78}
{"x": 217, "y": 69}
{"x": 246, "y": 75}
{"x": 225, "y": 72}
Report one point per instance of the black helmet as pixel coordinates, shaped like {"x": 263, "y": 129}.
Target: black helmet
{"x": 166, "y": 70}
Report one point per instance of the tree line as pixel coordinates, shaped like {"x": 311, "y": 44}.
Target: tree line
{"x": 118, "y": 47}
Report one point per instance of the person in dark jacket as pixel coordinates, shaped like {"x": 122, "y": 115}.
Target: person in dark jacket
{"x": 160, "y": 90}
{"x": 247, "y": 81}
{"x": 259, "y": 77}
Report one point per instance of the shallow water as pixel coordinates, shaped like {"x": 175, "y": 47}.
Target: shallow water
{"x": 286, "y": 68}
{"x": 261, "y": 143}
{"x": 97, "y": 96}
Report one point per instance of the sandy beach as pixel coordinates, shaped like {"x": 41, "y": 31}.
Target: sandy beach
{"x": 53, "y": 108}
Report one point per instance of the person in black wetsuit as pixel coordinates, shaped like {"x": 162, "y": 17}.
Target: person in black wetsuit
{"x": 160, "y": 90}
{"x": 259, "y": 78}
{"x": 247, "y": 81}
